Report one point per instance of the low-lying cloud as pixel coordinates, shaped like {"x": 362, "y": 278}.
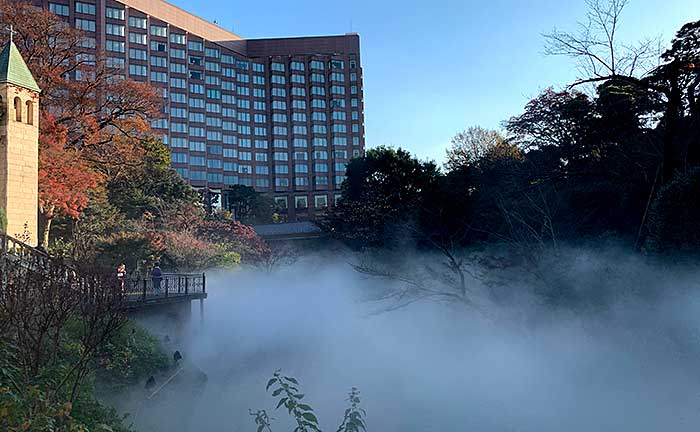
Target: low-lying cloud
{"x": 632, "y": 364}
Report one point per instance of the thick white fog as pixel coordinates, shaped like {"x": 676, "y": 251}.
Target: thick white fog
{"x": 632, "y": 364}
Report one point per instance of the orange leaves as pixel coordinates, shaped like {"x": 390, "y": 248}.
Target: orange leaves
{"x": 65, "y": 179}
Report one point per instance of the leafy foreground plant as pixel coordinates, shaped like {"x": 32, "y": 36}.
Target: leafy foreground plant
{"x": 287, "y": 389}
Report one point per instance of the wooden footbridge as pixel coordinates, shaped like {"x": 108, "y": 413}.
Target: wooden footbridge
{"x": 134, "y": 294}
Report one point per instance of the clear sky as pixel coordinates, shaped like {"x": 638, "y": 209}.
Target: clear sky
{"x": 432, "y": 68}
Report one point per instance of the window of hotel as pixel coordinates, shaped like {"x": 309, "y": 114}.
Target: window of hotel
{"x": 282, "y": 182}
{"x": 281, "y": 202}
{"x": 159, "y": 76}
{"x": 59, "y": 9}
{"x": 338, "y": 90}
{"x": 355, "y": 142}
{"x": 355, "y": 128}
{"x": 212, "y": 52}
{"x": 259, "y": 105}
{"x": 196, "y": 117}
{"x": 213, "y": 107}
{"x": 338, "y": 103}
{"x": 243, "y": 91}
{"x": 260, "y": 131}
{"x": 212, "y": 67}
{"x": 278, "y": 67}
{"x": 340, "y": 128}
{"x": 177, "y": 53}
{"x": 137, "y": 70}
{"x": 280, "y": 143}
{"x": 242, "y": 64}
{"x": 321, "y": 180}
{"x": 178, "y": 83}
{"x": 353, "y": 90}
{"x": 279, "y": 92}
{"x": 178, "y": 112}
{"x": 299, "y": 130}
{"x": 321, "y": 201}
{"x": 228, "y": 59}
{"x": 196, "y": 102}
{"x": 319, "y": 65}
{"x": 318, "y": 91}
{"x": 281, "y": 169}
{"x": 214, "y": 163}
{"x": 321, "y": 167}
{"x": 215, "y": 178}
{"x": 258, "y": 67}
{"x": 158, "y": 46}
{"x": 231, "y": 180}
{"x": 228, "y": 99}
{"x": 298, "y": 91}
{"x": 198, "y": 175}
{"x": 245, "y": 169}
{"x": 176, "y": 38}
{"x": 258, "y": 92}
{"x": 318, "y": 116}
{"x": 177, "y": 142}
{"x": 299, "y": 117}
{"x": 301, "y": 181}
{"x": 178, "y": 68}
{"x": 262, "y": 183}
{"x": 195, "y": 45}
{"x": 87, "y": 42}
{"x": 159, "y": 31}
{"x": 301, "y": 168}
{"x": 318, "y": 78}
{"x": 297, "y": 65}
{"x": 84, "y": 24}
{"x": 115, "y": 46}
{"x": 353, "y": 77}
{"x": 197, "y": 146}
{"x": 230, "y": 153}
{"x": 114, "y": 29}
{"x": 339, "y": 115}
{"x": 281, "y": 157}
{"x": 318, "y": 103}
{"x": 137, "y": 38}
{"x": 243, "y": 129}
{"x": 196, "y": 75}
{"x": 300, "y": 142}
{"x": 279, "y": 130}
{"x": 244, "y": 143}
{"x": 115, "y": 62}
{"x": 243, "y": 104}
{"x": 321, "y": 155}
{"x": 243, "y": 116}
{"x": 340, "y": 141}
{"x": 198, "y": 161}
{"x": 160, "y": 124}
{"x": 301, "y": 156}
{"x": 319, "y": 129}
{"x": 339, "y": 180}
{"x": 340, "y": 154}
{"x": 320, "y": 142}
{"x": 276, "y": 79}
{"x": 354, "y": 102}
{"x": 279, "y": 118}
{"x": 228, "y": 72}
{"x": 230, "y": 139}
{"x": 261, "y": 144}
{"x": 137, "y": 22}
{"x": 337, "y": 64}
{"x": 337, "y": 76}
{"x": 214, "y": 121}
{"x": 178, "y": 157}
{"x": 299, "y": 79}
{"x": 259, "y": 80}
{"x": 114, "y": 13}
{"x": 85, "y": 8}
{"x": 298, "y": 104}
{"x": 178, "y": 127}
{"x": 159, "y": 61}
{"x": 281, "y": 105}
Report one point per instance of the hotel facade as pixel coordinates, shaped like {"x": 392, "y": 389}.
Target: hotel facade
{"x": 283, "y": 116}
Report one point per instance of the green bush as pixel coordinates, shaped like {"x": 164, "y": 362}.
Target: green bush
{"x": 674, "y": 217}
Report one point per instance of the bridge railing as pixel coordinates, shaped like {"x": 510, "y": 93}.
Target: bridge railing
{"x": 168, "y": 285}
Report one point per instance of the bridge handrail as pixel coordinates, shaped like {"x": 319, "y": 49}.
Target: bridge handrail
{"x": 140, "y": 289}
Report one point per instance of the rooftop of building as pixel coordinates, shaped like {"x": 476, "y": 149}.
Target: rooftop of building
{"x": 182, "y": 19}
{"x": 13, "y": 69}
{"x": 287, "y": 229}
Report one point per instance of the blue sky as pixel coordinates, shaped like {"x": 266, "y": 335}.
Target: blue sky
{"x": 432, "y": 68}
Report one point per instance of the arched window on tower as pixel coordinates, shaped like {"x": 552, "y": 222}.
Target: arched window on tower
{"x": 18, "y": 109}
{"x": 30, "y": 112}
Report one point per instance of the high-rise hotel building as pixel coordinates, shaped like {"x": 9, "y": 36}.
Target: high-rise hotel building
{"x": 281, "y": 115}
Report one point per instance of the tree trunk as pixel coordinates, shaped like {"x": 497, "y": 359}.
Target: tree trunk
{"x": 45, "y": 227}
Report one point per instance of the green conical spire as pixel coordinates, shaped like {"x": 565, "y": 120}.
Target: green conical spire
{"x": 13, "y": 69}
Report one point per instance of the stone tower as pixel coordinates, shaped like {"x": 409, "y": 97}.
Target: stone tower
{"x": 19, "y": 145}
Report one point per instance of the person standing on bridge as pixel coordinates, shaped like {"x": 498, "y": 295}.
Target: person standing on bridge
{"x": 121, "y": 276}
{"x": 156, "y": 277}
